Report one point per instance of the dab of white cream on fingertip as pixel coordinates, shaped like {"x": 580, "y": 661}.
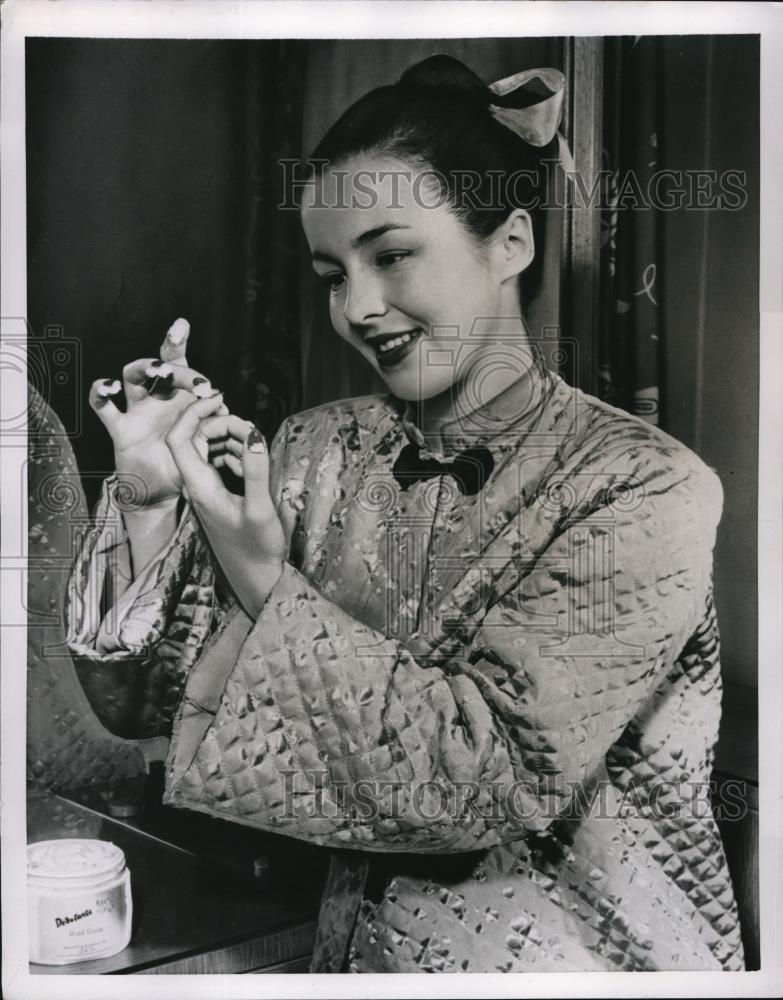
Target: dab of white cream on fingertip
{"x": 178, "y": 331}
{"x": 108, "y": 388}
{"x": 203, "y": 390}
{"x": 161, "y": 370}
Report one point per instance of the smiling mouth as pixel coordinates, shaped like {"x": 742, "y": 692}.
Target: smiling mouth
{"x": 391, "y": 350}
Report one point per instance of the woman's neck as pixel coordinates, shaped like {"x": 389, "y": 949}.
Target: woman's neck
{"x": 438, "y": 416}
{"x": 462, "y": 398}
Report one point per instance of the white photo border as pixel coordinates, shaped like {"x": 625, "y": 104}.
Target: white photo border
{"x": 389, "y": 19}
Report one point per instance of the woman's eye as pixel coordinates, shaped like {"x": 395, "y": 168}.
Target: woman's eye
{"x": 392, "y": 257}
{"x": 332, "y": 281}
{"x": 389, "y": 258}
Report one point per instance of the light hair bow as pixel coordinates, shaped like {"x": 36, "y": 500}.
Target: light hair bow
{"x": 535, "y": 97}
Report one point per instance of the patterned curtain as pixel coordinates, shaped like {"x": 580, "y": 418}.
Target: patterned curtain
{"x": 630, "y": 344}
{"x": 678, "y": 337}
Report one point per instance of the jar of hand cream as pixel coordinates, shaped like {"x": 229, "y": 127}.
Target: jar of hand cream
{"x": 80, "y": 901}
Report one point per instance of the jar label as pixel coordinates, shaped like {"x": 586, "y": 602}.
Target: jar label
{"x": 75, "y": 927}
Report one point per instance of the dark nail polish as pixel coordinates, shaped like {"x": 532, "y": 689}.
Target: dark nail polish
{"x": 256, "y": 441}
{"x": 199, "y": 380}
{"x": 108, "y": 387}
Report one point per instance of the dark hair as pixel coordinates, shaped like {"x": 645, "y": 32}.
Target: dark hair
{"x": 437, "y": 114}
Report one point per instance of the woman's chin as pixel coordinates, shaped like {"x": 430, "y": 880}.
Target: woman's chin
{"x": 412, "y": 385}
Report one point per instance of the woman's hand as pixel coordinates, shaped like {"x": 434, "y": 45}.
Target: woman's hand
{"x": 142, "y": 457}
{"x": 245, "y": 533}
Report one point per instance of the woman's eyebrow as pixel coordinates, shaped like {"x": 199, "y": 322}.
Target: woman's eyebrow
{"x": 366, "y": 237}
{"x": 316, "y": 255}
{"x": 373, "y": 234}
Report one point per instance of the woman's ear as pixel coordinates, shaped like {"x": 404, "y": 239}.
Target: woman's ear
{"x": 514, "y": 245}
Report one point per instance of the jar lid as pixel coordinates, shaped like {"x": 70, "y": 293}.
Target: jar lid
{"x": 74, "y": 859}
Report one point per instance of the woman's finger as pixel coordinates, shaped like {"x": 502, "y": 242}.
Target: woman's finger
{"x": 134, "y": 379}
{"x": 175, "y": 343}
{"x": 230, "y": 462}
{"x": 160, "y": 380}
{"x": 218, "y": 446}
{"x": 199, "y": 477}
{"x": 258, "y": 504}
{"x": 187, "y": 426}
{"x": 179, "y": 377}
{"x": 138, "y": 377}
{"x": 101, "y": 392}
{"x": 226, "y": 426}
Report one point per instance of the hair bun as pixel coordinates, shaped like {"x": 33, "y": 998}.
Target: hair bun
{"x": 447, "y": 76}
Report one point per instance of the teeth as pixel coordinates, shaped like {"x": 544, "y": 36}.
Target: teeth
{"x": 389, "y": 345}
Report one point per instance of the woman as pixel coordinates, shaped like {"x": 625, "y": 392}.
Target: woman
{"x": 463, "y": 633}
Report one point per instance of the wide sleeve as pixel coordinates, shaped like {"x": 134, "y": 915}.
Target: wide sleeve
{"x": 330, "y": 731}
{"x": 135, "y": 642}
{"x": 109, "y": 613}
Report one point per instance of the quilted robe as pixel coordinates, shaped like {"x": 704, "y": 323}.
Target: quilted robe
{"x": 67, "y": 746}
{"x": 497, "y": 710}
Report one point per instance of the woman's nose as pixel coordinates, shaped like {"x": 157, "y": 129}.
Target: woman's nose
{"x": 364, "y": 301}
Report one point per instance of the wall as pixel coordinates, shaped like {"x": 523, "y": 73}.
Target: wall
{"x": 137, "y": 208}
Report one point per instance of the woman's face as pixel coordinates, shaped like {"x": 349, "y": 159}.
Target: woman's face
{"x": 403, "y": 272}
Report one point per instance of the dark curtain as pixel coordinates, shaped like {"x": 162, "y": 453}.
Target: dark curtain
{"x": 678, "y": 337}
{"x": 269, "y": 342}
{"x": 152, "y": 194}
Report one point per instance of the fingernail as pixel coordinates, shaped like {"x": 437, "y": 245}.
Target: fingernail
{"x": 109, "y": 387}
{"x": 158, "y": 369}
{"x": 215, "y": 392}
{"x": 256, "y": 442}
{"x": 178, "y": 331}
{"x": 202, "y": 387}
